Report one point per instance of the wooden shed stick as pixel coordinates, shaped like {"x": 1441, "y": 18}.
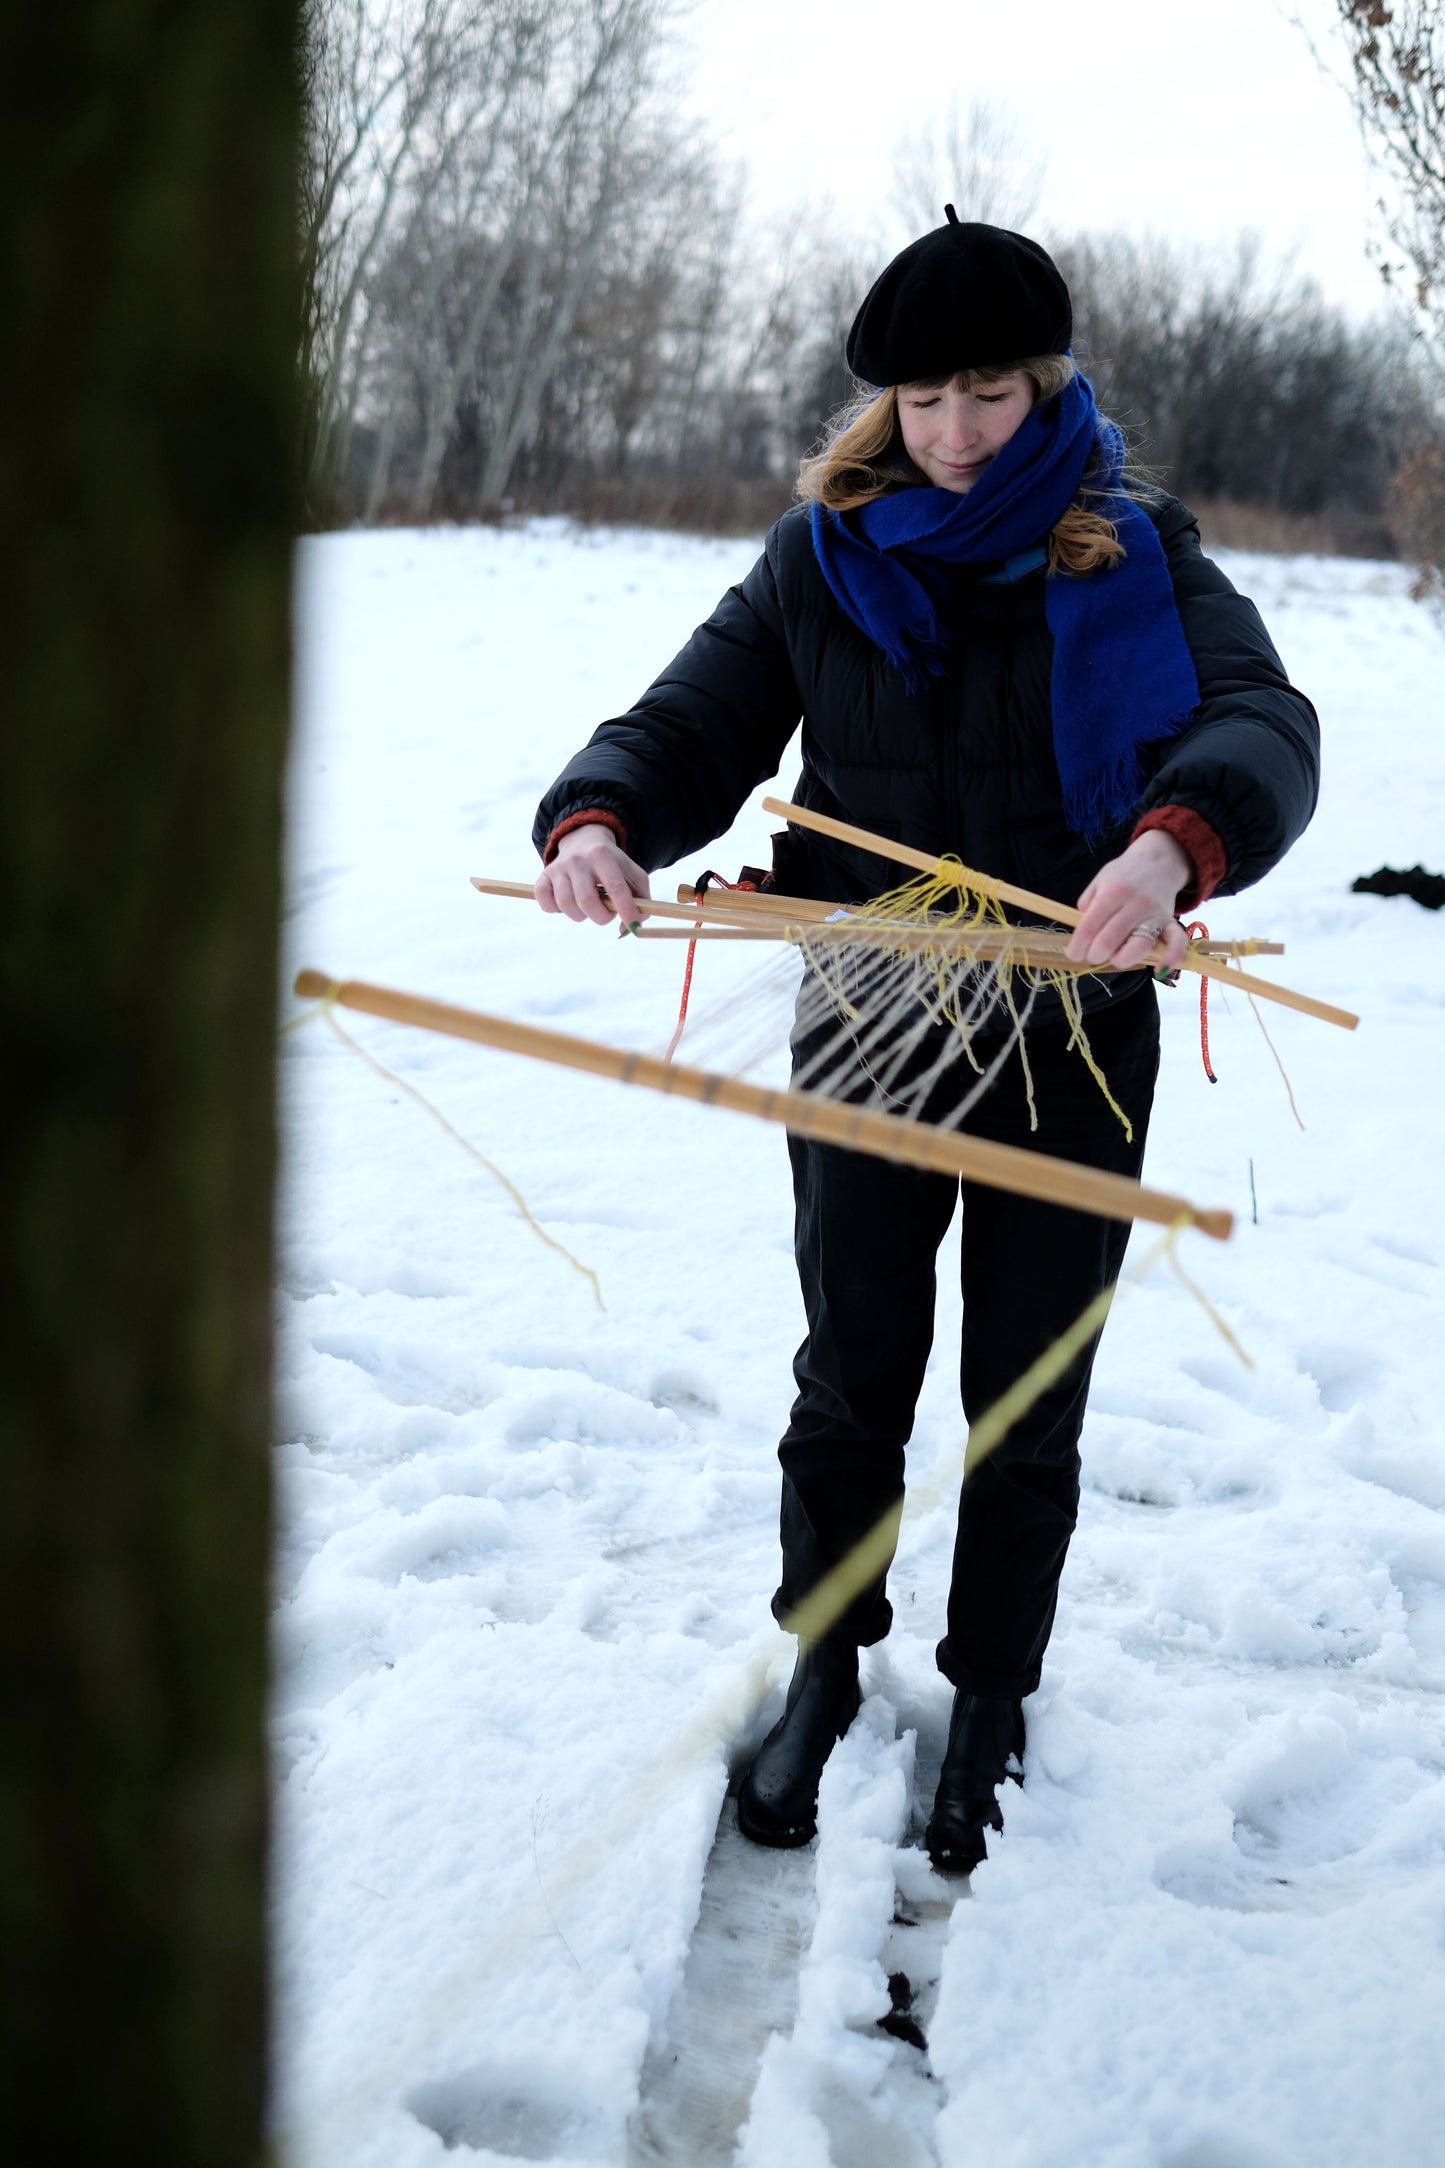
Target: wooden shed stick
{"x": 1062, "y": 914}
{"x": 805, "y": 1114}
{"x": 769, "y": 916}
{"x": 771, "y": 903}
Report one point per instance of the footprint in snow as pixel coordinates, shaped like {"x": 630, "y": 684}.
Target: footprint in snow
{"x": 686, "y": 1392}
{"x": 1306, "y": 1801}
{"x": 482, "y": 2110}
{"x": 1217, "y": 1375}
{"x": 404, "y": 1378}
{"x": 1343, "y": 1375}
{"x": 1408, "y": 1252}
{"x": 583, "y": 1412}
{"x": 445, "y": 1540}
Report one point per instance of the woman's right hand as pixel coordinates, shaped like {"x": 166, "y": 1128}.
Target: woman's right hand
{"x": 592, "y": 877}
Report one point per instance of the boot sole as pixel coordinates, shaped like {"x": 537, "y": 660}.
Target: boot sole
{"x": 784, "y": 1837}
{"x": 953, "y": 1860}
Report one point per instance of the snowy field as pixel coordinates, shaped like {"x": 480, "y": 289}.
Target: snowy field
{"x": 525, "y": 1543}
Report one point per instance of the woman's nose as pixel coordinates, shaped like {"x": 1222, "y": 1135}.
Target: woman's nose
{"x": 960, "y": 429}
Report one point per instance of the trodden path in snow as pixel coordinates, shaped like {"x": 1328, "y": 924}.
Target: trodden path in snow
{"x": 524, "y": 1542}
{"x": 739, "y": 1987}
{"x": 753, "y": 1944}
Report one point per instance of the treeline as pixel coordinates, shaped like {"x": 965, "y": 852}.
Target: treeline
{"x": 530, "y": 287}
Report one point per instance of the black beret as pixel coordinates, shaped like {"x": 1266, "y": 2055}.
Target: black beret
{"x": 965, "y": 296}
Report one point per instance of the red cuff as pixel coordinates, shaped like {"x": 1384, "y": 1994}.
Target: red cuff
{"x": 596, "y": 817}
{"x": 1199, "y": 839}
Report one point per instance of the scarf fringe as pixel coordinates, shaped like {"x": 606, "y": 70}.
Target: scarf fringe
{"x": 1096, "y": 803}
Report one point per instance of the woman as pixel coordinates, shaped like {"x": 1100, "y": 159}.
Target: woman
{"x": 999, "y": 649}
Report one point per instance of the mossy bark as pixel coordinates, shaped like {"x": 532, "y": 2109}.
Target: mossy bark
{"x": 147, "y": 158}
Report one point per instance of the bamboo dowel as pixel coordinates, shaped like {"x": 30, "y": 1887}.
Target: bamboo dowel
{"x": 904, "y": 854}
{"x": 783, "y": 917}
{"x": 712, "y": 933}
{"x": 898, "y": 940}
{"x": 772, "y": 903}
{"x": 1211, "y": 967}
{"x": 523, "y": 892}
{"x": 752, "y": 916}
{"x": 1024, "y": 948}
{"x": 747, "y": 902}
{"x": 805, "y": 1114}
{"x": 648, "y": 906}
{"x": 1029, "y": 947}
{"x": 1231, "y": 951}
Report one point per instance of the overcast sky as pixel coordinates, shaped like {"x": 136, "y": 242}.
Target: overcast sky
{"x": 1189, "y": 120}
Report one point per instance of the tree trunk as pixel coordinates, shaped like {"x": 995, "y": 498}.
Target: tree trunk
{"x": 147, "y": 234}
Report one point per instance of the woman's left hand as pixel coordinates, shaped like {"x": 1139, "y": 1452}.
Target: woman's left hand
{"x": 1128, "y": 907}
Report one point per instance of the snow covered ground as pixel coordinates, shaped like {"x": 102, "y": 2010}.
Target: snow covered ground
{"x": 526, "y": 1543}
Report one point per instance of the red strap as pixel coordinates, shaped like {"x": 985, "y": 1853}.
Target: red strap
{"x": 701, "y": 886}
{"x": 1197, "y": 926}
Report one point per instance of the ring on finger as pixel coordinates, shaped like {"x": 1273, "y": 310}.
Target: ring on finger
{"x": 1148, "y": 932}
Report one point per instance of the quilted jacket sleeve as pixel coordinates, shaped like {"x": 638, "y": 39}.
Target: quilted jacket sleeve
{"x": 679, "y": 766}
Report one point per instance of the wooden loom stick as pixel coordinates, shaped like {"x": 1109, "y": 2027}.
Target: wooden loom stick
{"x": 767, "y": 916}
{"x": 806, "y": 1114}
{"x": 726, "y": 919}
{"x": 1040, "y": 947}
{"x": 771, "y": 902}
{"x": 891, "y": 940}
{"x": 654, "y": 907}
{"x": 523, "y": 892}
{"x": 903, "y": 854}
{"x": 746, "y": 902}
{"x": 756, "y": 917}
{"x": 1024, "y": 946}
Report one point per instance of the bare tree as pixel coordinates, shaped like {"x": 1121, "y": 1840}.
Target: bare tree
{"x": 395, "y": 89}
{"x": 473, "y": 160}
{"x": 1397, "y": 62}
{"x": 979, "y": 161}
{"x": 1397, "y": 80}
{"x": 1239, "y": 382}
{"x": 597, "y": 176}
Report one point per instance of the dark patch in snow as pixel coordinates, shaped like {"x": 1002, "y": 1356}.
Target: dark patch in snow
{"x": 1421, "y": 887}
{"x": 899, "y": 2021}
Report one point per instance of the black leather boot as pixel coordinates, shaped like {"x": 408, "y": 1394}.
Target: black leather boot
{"x": 984, "y": 1735}
{"x": 778, "y": 1798}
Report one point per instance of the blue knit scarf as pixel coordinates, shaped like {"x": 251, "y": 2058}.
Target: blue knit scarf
{"x": 1123, "y": 675}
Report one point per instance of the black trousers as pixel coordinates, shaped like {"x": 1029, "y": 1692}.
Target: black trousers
{"x": 867, "y": 1236}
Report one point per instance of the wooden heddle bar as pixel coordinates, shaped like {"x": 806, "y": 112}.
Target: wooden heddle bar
{"x": 805, "y": 1114}
{"x": 723, "y": 915}
{"x": 1063, "y": 914}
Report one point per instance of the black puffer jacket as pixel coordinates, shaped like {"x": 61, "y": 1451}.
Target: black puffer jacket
{"x": 967, "y": 766}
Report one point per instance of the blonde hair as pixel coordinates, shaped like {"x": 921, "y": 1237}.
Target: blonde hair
{"x": 862, "y": 456}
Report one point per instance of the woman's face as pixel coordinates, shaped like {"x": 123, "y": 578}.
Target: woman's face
{"x": 951, "y": 435}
